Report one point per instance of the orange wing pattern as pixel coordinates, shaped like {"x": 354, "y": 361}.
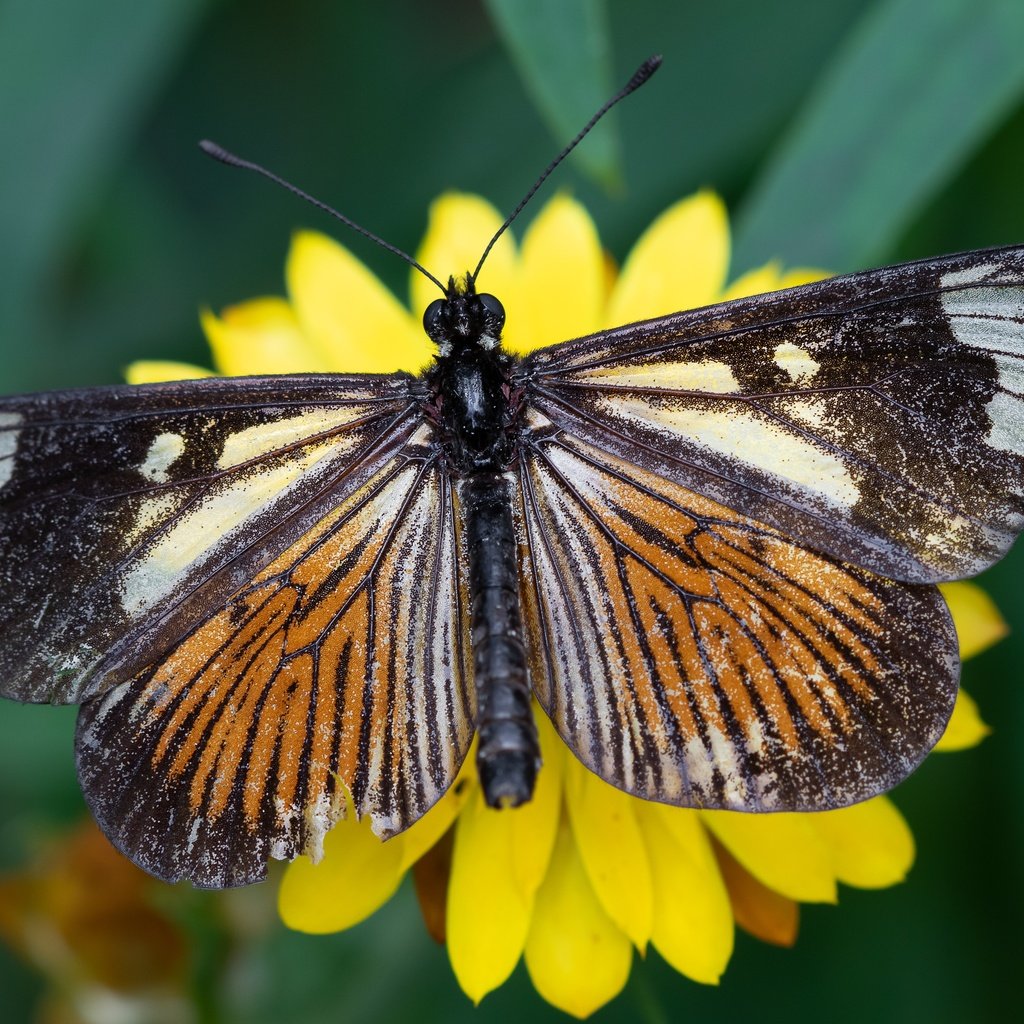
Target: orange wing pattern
{"x": 692, "y": 655}
{"x": 343, "y": 666}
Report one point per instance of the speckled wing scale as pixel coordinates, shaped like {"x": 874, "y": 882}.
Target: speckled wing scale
{"x": 712, "y": 502}
{"x": 219, "y": 569}
{"x": 876, "y": 417}
{"x": 698, "y": 657}
{"x": 276, "y": 595}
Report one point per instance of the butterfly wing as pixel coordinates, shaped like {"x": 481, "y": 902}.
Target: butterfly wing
{"x": 127, "y": 513}
{"x": 692, "y": 655}
{"x": 878, "y": 417}
{"x": 221, "y": 571}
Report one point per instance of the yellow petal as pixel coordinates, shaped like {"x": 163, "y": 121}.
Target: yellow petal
{"x": 562, "y": 278}
{"x": 535, "y": 824}
{"x": 870, "y": 844}
{"x": 693, "y": 926}
{"x": 759, "y": 911}
{"x": 488, "y": 914}
{"x": 421, "y": 836}
{"x": 610, "y": 273}
{"x": 975, "y": 615}
{"x": 802, "y": 275}
{"x": 781, "y": 850}
{"x": 358, "y": 874}
{"x": 261, "y": 336}
{"x": 680, "y": 262}
{"x": 965, "y": 728}
{"x": 612, "y": 850}
{"x": 427, "y": 848}
{"x": 458, "y": 230}
{"x": 155, "y": 371}
{"x": 577, "y": 958}
{"x": 349, "y": 317}
{"x": 756, "y": 282}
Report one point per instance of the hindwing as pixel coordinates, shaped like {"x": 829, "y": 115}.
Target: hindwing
{"x": 340, "y": 670}
{"x": 690, "y": 654}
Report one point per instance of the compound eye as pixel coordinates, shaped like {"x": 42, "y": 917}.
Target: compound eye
{"x": 433, "y": 315}
{"x": 493, "y": 307}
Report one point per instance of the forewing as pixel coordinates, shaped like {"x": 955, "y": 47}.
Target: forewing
{"x": 692, "y": 655}
{"x": 877, "y": 417}
{"x": 127, "y": 514}
{"x": 341, "y": 669}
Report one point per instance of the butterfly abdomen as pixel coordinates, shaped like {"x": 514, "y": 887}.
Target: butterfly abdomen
{"x": 471, "y": 402}
{"x": 508, "y": 756}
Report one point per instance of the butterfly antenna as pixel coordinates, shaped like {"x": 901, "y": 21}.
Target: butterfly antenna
{"x": 640, "y": 76}
{"x": 225, "y": 157}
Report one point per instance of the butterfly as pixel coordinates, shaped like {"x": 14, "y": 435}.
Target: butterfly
{"x": 706, "y": 544}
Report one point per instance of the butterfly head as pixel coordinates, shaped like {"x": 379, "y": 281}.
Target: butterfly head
{"x": 464, "y": 319}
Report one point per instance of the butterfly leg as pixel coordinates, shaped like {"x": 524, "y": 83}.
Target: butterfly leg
{"x": 508, "y": 756}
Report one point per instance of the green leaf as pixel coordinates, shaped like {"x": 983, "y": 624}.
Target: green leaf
{"x": 74, "y": 81}
{"x": 564, "y": 54}
{"x": 915, "y": 88}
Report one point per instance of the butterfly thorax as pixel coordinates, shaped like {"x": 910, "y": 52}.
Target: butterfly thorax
{"x": 469, "y": 392}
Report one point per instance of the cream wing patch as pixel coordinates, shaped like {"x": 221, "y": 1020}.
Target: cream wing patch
{"x": 992, "y": 321}
{"x": 706, "y": 375}
{"x": 1011, "y": 373}
{"x": 969, "y": 275}
{"x": 251, "y": 443}
{"x": 796, "y": 362}
{"x": 1007, "y": 415}
{"x": 8, "y": 444}
{"x": 165, "y": 450}
{"x": 153, "y": 510}
{"x": 744, "y": 436}
{"x": 239, "y": 499}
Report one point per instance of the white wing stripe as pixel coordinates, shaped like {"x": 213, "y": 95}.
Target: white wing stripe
{"x": 763, "y": 443}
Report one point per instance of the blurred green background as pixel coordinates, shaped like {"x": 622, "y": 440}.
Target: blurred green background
{"x": 842, "y": 134}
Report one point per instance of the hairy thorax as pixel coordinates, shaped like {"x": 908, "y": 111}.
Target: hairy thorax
{"x": 475, "y": 408}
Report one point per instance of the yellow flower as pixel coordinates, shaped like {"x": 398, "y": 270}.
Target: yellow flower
{"x": 584, "y": 874}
